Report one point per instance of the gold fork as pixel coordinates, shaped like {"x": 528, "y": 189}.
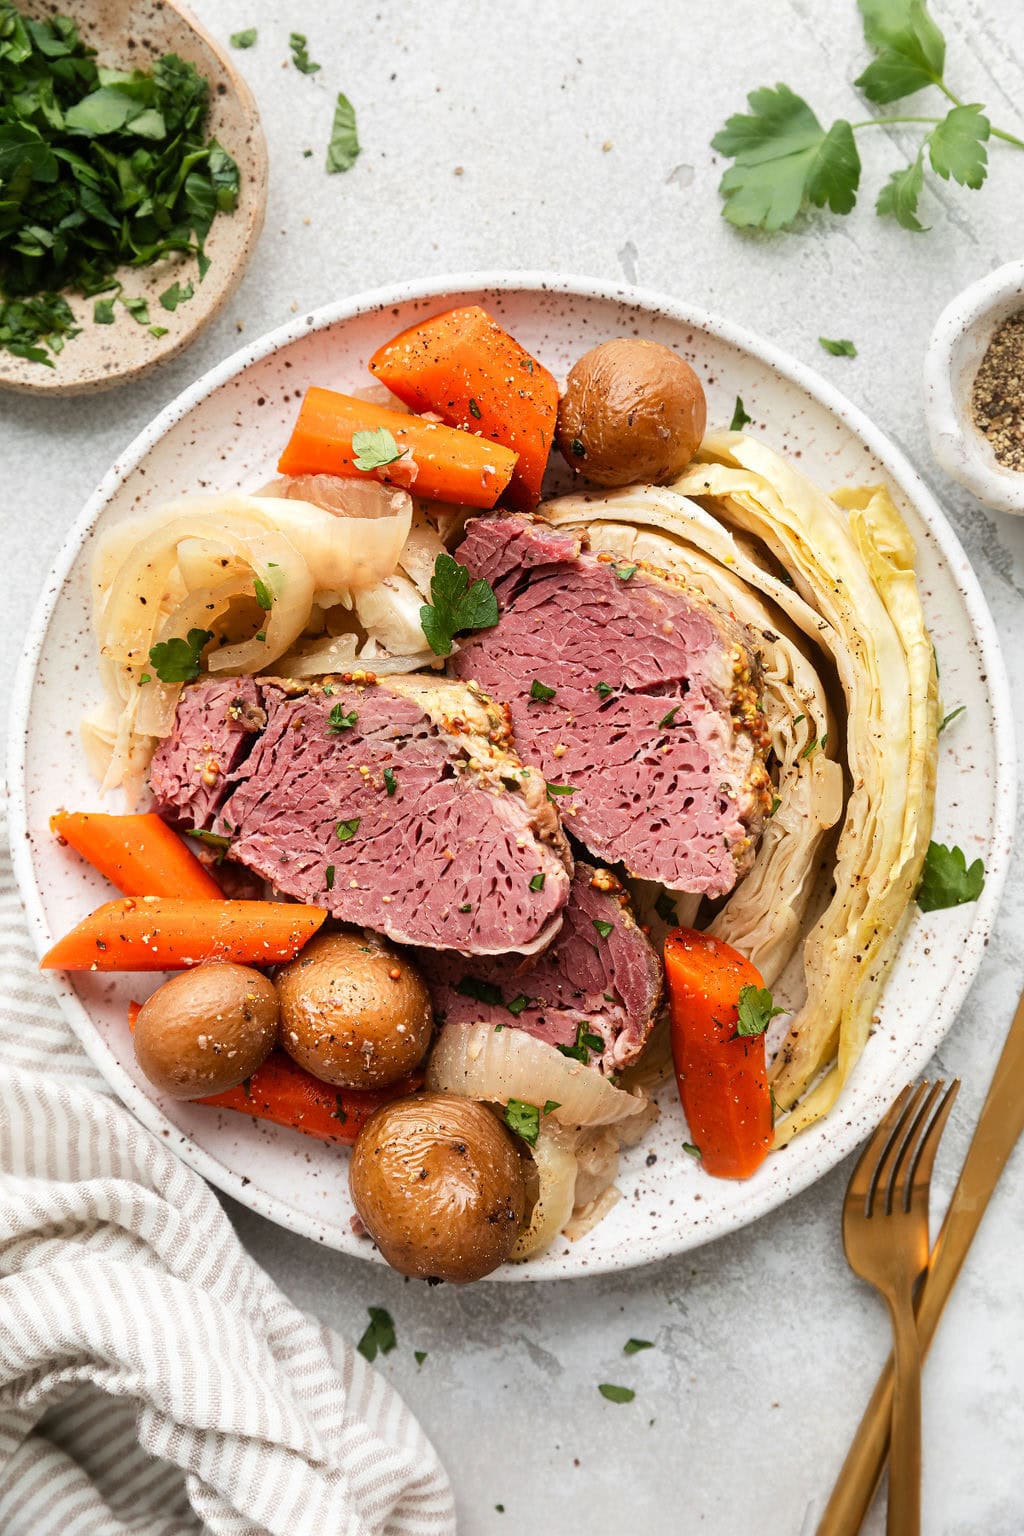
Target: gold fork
{"x": 885, "y": 1235}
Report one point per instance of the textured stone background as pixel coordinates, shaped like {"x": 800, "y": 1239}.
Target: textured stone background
{"x": 484, "y": 129}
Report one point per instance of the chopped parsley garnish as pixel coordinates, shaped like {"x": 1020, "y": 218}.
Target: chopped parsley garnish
{"x": 839, "y": 348}
{"x": 524, "y": 1119}
{"x": 537, "y": 883}
{"x": 625, "y": 572}
{"x": 776, "y": 802}
{"x": 176, "y": 294}
{"x": 812, "y": 746}
{"x": 669, "y": 719}
{"x": 550, "y": 1105}
{"x": 755, "y": 1011}
{"x": 103, "y": 312}
{"x": 244, "y": 39}
{"x": 634, "y": 1346}
{"x": 541, "y": 691}
{"x": 373, "y": 449}
{"x": 585, "y": 1042}
{"x": 947, "y": 880}
{"x": 300, "y": 56}
{"x": 211, "y": 840}
{"x": 343, "y": 145}
{"x": 390, "y": 782}
{"x": 338, "y": 720}
{"x": 467, "y": 906}
{"x": 329, "y": 877}
{"x": 419, "y": 1355}
{"x": 264, "y": 596}
{"x": 603, "y": 689}
{"x": 666, "y": 909}
{"x": 603, "y": 928}
{"x": 740, "y": 419}
{"x": 482, "y": 991}
{"x": 177, "y": 661}
{"x": 261, "y": 636}
{"x": 691, "y": 1150}
{"x": 518, "y": 1004}
{"x": 559, "y": 789}
{"x": 616, "y": 1394}
{"x": 797, "y": 719}
{"x": 340, "y": 1112}
{"x": 158, "y": 331}
{"x": 379, "y": 1337}
{"x": 474, "y": 410}
{"x": 346, "y": 830}
{"x": 578, "y": 449}
{"x": 137, "y": 308}
{"x": 144, "y": 678}
{"x": 455, "y": 605}
{"x": 948, "y": 719}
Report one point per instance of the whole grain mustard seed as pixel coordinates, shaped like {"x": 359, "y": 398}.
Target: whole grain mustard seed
{"x": 997, "y": 395}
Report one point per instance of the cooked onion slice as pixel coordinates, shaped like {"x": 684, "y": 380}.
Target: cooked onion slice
{"x": 481, "y": 1062}
{"x": 556, "y": 1171}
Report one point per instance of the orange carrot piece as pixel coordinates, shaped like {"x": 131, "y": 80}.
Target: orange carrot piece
{"x": 157, "y": 933}
{"x": 283, "y": 1092}
{"x": 722, "y": 1078}
{"x": 474, "y": 375}
{"x": 449, "y": 465}
{"x": 138, "y": 854}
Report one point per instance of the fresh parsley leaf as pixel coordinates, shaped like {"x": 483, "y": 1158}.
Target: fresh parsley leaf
{"x": 783, "y": 158}
{"x": 692, "y": 1151}
{"x": 374, "y": 449}
{"x": 264, "y": 596}
{"x": 585, "y": 1042}
{"x": 812, "y": 746}
{"x": 244, "y": 39}
{"x": 550, "y": 1105}
{"x": 776, "y": 802}
{"x": 956, "y": 146}
{"x": 911, "y": 49}
{"x": 616, "y": 1394}
{"x": 300, "y": 55}
{"x": 211, "y": 840}
{"x": 158, "y": 331}
{"x": 103, "y": 312}
{"x": 537, "y": 882}
{"x": 625, "y": 572}
{"x": 419, "y": 1355}
{"x": 518, "y": 1004}
{"x": 343, "y": 145}
{"x": 603, "y": 928}
{"x": 390, "y": 782}
{"x": 466, "y": 906}
{"x": 524, "y": 1119}
{"x": 455, "y": 605}
{"x": 755, "y": 1010}
{"x": 946, "y": 880}
{"x": 176, "y": 294}
{"x": 948, "y": 719}
{"x": 901, "y": 194}
{"x": 554, "y": 790}
{"x": 603, "y": 689}
{"x": 345, "y": 831}
{"x": 666, "y": 909}
{"x": 634, "y": 1346}
{"x": 177, "y": 661}
{"x": 137, "y": 308}
{"x": 740, "y": 419}
{"x": 339, "y": 720}
{"x": 329, "y": 877}
{"x": 379, "y": 1337}
{"x": 840, "y": 348}
{"x": 474, "y": 410}
{"x": 669, "y": 719}
{"x": 483, "y": 991}
{"x": 540, "y": 691}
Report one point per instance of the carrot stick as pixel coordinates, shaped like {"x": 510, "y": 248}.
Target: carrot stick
{"x": 158, "y": 933}
{"x": 138, "y": 854}
{"x": 440, "y": 463}
{"x": 474, "y": 375}
{"x": 721, "y": 1075}
{"x": 283, "y": 1092}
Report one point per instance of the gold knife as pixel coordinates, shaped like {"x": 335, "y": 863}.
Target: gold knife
{"x": 996, "y": 1134}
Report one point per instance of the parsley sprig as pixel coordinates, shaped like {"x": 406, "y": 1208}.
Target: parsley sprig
{"x": 947, "y": 880}
{"x": 455, "y": 605}
{"x": 784, "y": 159}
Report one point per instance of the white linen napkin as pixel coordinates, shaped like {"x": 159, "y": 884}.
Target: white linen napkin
{"x": 153, "y": 1379}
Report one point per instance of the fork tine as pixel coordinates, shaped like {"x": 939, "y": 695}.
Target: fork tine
{"x": 920, "y": 1173}
{"x": 874, "y": 1147}
{"x": 882, "y": 1181}
{"x": 902, "y": 1172}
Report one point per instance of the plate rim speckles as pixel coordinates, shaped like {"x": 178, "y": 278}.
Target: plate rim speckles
{"x": 685, "y": 1208}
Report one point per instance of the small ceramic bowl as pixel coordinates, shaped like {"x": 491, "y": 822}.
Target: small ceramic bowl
{"x": 958, "y": 344}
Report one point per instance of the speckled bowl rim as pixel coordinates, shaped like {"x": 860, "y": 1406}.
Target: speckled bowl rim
{"x": 850, "y": 1129}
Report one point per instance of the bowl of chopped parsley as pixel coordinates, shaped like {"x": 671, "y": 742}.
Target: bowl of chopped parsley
{"x": 133, "y": 176}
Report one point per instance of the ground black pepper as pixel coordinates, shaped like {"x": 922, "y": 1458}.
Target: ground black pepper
{"x": 997, "y": 396}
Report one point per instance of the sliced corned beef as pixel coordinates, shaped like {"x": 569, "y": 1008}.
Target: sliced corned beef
{"x": 399, "y": 805}
{"x": 653, "y": 729}
{"x": 215, "y": 726}
{"x": 595, "y": 991}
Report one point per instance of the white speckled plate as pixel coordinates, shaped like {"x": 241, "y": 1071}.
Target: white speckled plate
{"x": 225, "y": 432}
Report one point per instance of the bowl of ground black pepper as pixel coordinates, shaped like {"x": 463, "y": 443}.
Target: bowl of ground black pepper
{"x": 974, "y": 388}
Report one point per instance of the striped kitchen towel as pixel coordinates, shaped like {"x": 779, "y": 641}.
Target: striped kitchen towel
{"x": 153, "y": 1379}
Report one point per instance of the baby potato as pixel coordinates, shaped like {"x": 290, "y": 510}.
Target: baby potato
{"x": 354, "y": 1012}
{"x": 439, "y": 1186}
{"x": 206, "y": 1030}
{"x": 632, "y": 411}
